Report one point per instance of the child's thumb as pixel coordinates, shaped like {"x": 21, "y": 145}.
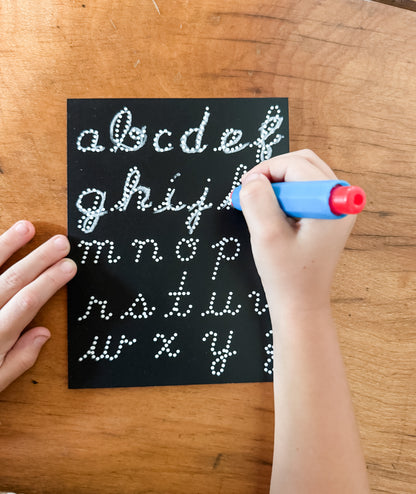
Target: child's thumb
{"x": 265, "y": 219}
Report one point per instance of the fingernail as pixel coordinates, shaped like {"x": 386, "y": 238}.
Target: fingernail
{"x": 250, "y": 177}
{"x": 61, "y": 242}
{"x": 68, "y": 266}
{"x": 39, "y": 341}
{"x": 22, "y": 227}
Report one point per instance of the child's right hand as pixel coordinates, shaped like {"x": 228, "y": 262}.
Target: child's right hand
{"x": 296, "y": 260}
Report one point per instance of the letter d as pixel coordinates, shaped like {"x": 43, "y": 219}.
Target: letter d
{"x": 199, "y": 134}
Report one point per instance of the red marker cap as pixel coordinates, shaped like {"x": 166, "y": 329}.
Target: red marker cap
{"x": 347, "y": 199}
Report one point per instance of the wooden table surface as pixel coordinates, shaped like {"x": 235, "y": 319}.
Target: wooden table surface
{"x": 348, "y": 68}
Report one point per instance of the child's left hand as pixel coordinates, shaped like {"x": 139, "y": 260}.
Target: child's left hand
{"x": 24, "y": 288}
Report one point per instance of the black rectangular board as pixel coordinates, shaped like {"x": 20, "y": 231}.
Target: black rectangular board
{"x": 166, "y": 291}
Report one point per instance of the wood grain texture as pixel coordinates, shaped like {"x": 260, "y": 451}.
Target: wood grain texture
{"x": 352, "y": 98}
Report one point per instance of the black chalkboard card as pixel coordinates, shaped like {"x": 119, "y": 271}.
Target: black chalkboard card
{"x": 167, "y": 291}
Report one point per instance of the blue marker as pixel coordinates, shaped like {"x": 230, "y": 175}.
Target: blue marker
{"x": 325, "y": 199}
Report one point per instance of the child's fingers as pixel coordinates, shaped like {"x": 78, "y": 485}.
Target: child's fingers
{"x": 29, "y": 268}
{"x": 14, "y": 238}
{"x": 23, "y": 355}
{"x": 23, "y": 307}
{"x": 339, "y": 229}
{"x": 265, "y": 219}
{"x": 292, "y": 168}
{"x": 297, "y": 166}
{"x": 316, "y": 161}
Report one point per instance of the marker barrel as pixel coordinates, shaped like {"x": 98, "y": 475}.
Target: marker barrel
{"x": 314, "y": 199}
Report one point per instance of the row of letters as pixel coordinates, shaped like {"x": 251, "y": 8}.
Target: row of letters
{"x": 91, "y": 202}
{"x": 226, "y": 249}
{"x": 139, "y": 308}
{"x": 168, "y": 348}
{"x": 128, "y": 138}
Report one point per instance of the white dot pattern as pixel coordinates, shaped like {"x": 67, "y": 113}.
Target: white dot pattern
{"x": 268, "y": 365}
{"x": 222, "y": 354}
{"x": 191, "y": 244}
{"x": 221, "y": 256}
{"x": 178, "y": 296}
{"x": 257, "y": 309}
{"x": 140, "y": 245}
{"x": 105, "y": 355}
{"x": 226, "y": 310}
{"x": 166, "y": 342}
{"x": 99, "y": 246}
{"x": 145, "y": 312}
